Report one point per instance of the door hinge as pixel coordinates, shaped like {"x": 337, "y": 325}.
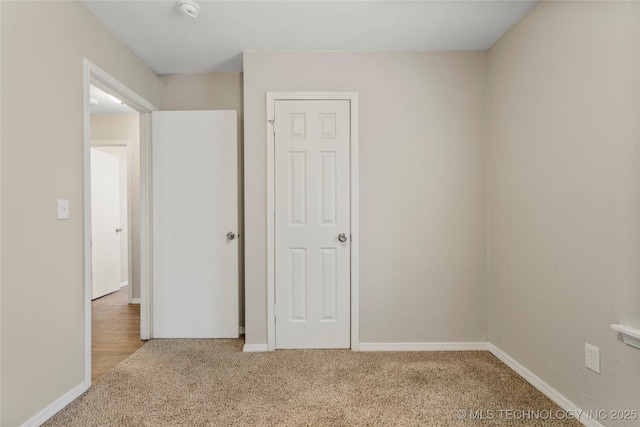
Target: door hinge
{"x": 272, "y": 122}
{"x": 275, "y": 312}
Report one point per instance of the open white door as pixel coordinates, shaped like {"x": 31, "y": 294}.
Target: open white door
{"x": 105, "y": 223}
{"x": 195, "y": 224}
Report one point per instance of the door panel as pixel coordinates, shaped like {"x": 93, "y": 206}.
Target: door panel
{"x": 121, "y": 152}
{"x": 195, "y": 266}
{"x": 312, "y": 209}
{"x": 105, "y": 220}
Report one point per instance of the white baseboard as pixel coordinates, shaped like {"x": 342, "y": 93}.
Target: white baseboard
{"x": 125, "y": 283}
{"x": 545, "y": 388}
{"x": 56, "y": 406}
{"x": 255, "y": 348}
{"x": 424, "y": 346}
{"x": 135, "y": 301}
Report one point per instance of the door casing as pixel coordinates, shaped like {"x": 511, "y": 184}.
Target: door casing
{"x": 352, "y": 97}
{"x": 94, "y": 75}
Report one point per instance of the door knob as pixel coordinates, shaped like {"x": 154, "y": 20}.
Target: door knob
{"x": 342, "y": 237}
{"x": 231, "y": 235}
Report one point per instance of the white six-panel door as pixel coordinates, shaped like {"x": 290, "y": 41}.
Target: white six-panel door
{"x": 195, "y": 206}
{"x": 312, "y": 224}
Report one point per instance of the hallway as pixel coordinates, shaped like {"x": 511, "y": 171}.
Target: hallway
{"x": 115, "y": 331}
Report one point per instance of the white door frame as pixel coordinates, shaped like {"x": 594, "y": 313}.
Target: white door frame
{"x": 352, "y": 97}
{"x": 97, "y": 143}
{"x": 92, "y": 74}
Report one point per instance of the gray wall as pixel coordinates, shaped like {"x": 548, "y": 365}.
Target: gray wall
{"x": 422, "y": 187}
{"x": 42, "y": 283}
{"x": 563, "y": 195}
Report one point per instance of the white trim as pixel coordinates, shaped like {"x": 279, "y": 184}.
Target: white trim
{"x": 424, "y": 346}
{"x": 631, "y": 336}
{"x": 135, "y": 301}
{"x": 56, "y": 406}
{"x": 123, "y": 284}
{"x": 355, "y": 224}
{"x": 105, "y": 81}
{"x": 352, "y": 97}
{"x": 146, "y": 223}
{"x": 86, "y": 217}
{"x": 271, "y": 291}
{"x": 542, "y": 386}
{"x": 255, "y": 348}
{"x": 92, "y": 74}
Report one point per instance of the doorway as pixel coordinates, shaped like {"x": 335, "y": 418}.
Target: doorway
{"x": 312, "y": 222}
{"x": 115, "y": 223}
{"x": 105, "y": 102}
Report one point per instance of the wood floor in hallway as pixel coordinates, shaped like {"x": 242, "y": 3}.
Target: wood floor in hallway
{"x": 115, "y": 331}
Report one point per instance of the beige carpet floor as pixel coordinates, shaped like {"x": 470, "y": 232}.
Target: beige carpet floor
{"x": 212, "y": 383}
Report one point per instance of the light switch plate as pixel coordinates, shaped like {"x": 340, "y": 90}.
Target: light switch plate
{"x": 63, "y": 209}
{"x": 592, "y": 357}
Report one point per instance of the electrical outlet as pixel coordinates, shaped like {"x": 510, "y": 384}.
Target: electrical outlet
{"x": 592, "y": 357}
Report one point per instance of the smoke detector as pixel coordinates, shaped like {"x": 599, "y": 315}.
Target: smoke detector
{"x": 189, "y": 8}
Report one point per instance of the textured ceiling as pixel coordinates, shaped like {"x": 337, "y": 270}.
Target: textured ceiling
{"x": 172, "y": 43}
